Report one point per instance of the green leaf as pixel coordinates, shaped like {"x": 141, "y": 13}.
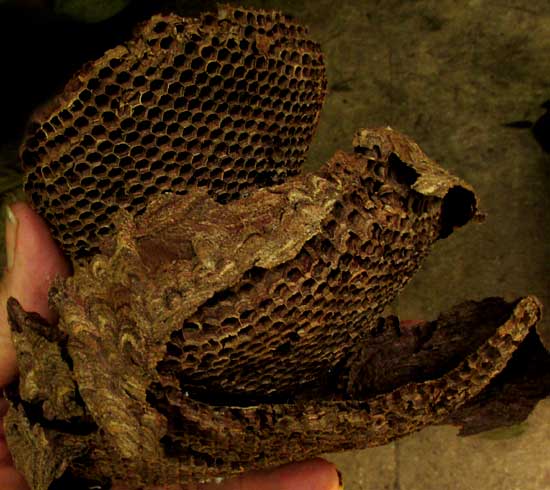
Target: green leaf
{"x": 89, "y": 10}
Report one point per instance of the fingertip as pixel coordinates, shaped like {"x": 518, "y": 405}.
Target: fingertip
{"x": 5, "y": 457}
{"x": 11, "y": 479}
{"x": 34, "y": 260}
{"x": 8, "y": 358}
{"x": 314, "y": 474}
{"x": 37, "y": 261}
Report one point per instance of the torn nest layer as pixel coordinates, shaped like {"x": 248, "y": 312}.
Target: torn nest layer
{"x": 213, "y": 335}
{"x": 206, "y": 335}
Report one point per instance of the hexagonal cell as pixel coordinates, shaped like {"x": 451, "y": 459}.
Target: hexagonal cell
{"x": 192, "y": 97}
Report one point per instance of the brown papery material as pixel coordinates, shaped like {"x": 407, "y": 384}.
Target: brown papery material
{"x": 225, "y": 102}
{"x": 236, "y": 322}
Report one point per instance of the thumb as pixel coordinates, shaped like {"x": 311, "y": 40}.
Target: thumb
{"x": 314, "y": 474}
{"x": 33, "y": 261}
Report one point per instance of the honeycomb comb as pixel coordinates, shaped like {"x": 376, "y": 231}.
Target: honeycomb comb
{"x": 252, "y": 336}
{"x": 232, "y": 319}
{"x": 227, "y": 102}
{"x": 317, "y": 305}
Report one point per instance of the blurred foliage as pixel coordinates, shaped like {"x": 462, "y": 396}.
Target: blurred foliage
{"x": 11, "y": 178}
{"x": 89, "y": 10}
{"x": 10, "y": 181}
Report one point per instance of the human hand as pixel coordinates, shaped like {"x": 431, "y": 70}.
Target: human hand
{"x": 33, "y": 261}
{"x": 315, "y": 474}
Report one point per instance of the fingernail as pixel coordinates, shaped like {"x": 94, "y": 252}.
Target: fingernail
{"x": 11, "y": 237}
{"x": 340, "y": 480}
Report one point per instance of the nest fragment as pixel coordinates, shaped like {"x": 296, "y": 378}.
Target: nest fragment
{"x": 237, "y": 322}
{"x": 224, "y": 102}
{"x": 124, "y": 388}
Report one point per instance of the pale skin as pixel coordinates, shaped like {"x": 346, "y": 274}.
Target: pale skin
{"x": 33, "y": 261}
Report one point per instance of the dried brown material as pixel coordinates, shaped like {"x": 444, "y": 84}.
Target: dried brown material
{"x": 225, "y": 102}
{"x": 220, "y": 440}
{"x": 209, "y": 339}
{"x": 513, "y": 394}
{"x": 317, "y": 305}
{"x": 235, "y": 322}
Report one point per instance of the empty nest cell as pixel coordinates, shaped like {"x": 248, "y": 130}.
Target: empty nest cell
{"x": 225, "y": 102}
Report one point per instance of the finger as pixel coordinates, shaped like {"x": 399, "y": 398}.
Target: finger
{"x": 37, "y": 260}
{"x": 33, "y": 262}
{"x": 316, "y": 474}
{"x": 5, "y": 458}
{"x": 11, "y": 479}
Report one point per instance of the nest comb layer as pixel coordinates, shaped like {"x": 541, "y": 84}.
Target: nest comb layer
{"x": 225, "y": 102}
{"x": 208, "y": 441}
{"x": 300, "y": 318}
{"x": 107, "y": 393}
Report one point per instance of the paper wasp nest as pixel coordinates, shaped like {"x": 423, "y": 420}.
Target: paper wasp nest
{"x": 239, "y": 325}
{"x": 226, "y": 102}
